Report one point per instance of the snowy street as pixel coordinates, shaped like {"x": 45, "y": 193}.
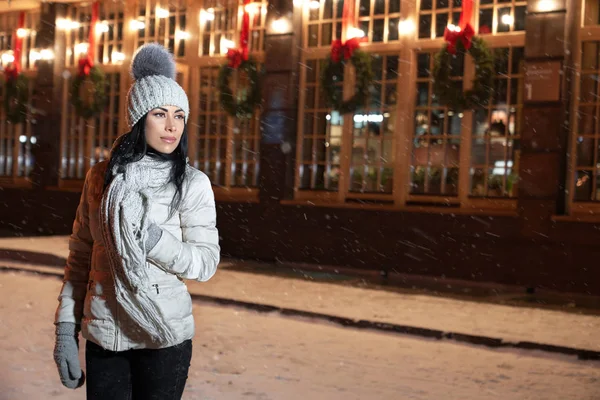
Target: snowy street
{"x": 242, "y": 354}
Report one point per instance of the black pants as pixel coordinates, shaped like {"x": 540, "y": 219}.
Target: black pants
{"x": 144, "y": 374}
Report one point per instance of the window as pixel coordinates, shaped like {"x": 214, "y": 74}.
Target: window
{"x": 501, "y": 16}
{"x": 87, "y": 142}
{"x": 227, "y": 149}
{"x": 587, "y": 134}
{"x": 106, "y": 125}
{"x": 16, "y": 160}
{"x": 496, "y": 132}
{"x": 319, "y": 149}
{"x": 495, "y": 16}
{"x": 379, "y": 19}
{"x": 324, "y": 23}
{"x": 77, "y": 33}
{"x": 220, "y": 24}
{"x": 110, "y": 34}
{"x": 436, "y": 139}
{"x": 373, "y": 155}
{"x": 435, "y": 15}
{"x": 162, "y": 22}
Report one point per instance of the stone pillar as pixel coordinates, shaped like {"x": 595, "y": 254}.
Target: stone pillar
{"x": 48, "y": 97}
{"x": 543, "y": 162}
{"x": 280, "y": 107}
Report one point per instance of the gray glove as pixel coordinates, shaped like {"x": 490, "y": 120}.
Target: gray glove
{"x": 66, "y": 355}
{"x": 154, "y": 235}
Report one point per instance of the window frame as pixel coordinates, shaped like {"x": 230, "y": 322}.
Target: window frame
{"x": 584, "y": 33}
{"x": 10, "y": 132}
{"x": 407, "y": 47}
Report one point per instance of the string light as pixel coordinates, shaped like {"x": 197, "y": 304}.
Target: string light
{"x": 47, "y": 54}
{"x": 22, "y": 32}
{"x": 251, "y": 8}
{"x": 207, "y": 15}
{"x": 546, "y": 5}
{"x": 182, "y": 35}
{"x": 227, "y": 44}
{"x": 314, "y": 5}
{"x": 81, "y": 48}
{"x": 281, "y": 25}
{"x": 136, "y": 24}
{"x": 67, "y": 24}
{"x": 453, "y": 28}
{"x": 102, "y": 27}
{"x": 162, "y": 12}
{"x": 406, "y": 27}
{"x": 508, "y": 19}
{"x": 355, "y": 33}
{"x": 117, "y": 56}
{"x": 7, "y": 57}
{"x": 34, "y": 56}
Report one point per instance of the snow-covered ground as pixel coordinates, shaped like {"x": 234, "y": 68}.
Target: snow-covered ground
{"x": 445, "y": 314}
{"x": 244, "y": 355}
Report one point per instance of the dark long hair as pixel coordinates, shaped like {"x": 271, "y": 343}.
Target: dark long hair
{"x": 132, "y": 147}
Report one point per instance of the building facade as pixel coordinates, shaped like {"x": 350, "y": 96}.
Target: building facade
{"x": 507, "y": 193}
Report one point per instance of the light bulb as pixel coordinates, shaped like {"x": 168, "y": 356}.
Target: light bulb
{"x": 508, "y": 19}
{"x": 162, "y": 12}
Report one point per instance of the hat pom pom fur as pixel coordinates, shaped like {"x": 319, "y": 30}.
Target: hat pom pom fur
{"x": 152, "y": 59}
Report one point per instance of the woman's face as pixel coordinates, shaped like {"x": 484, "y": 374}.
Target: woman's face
{"x": 164, "y": 127}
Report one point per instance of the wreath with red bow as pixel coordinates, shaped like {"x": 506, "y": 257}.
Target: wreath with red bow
{"x": 88, "y": 90}
{"x": 450, "y": 94}
{"x": 247, "y": 98}
{"x": 332, "y": 74}
{"x": 16, "y": 96}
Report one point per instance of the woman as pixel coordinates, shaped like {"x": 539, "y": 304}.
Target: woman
{"x": 145, "y": 221}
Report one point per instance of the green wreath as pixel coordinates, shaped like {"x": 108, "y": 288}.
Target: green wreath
{"x": 333, "y": 73}
{"x": 16, "y": 97}
{"x": 243, "y": 104}
{"x": 96, "y": 101}
{"x": 445, "y": 88}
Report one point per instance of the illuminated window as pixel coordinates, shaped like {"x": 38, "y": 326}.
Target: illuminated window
{"x": 163, "y": 23}
{"x": 227, "y": 149}
{"x": 497, "y": 129}
{"x": 16, "y": 140}
{"x": 324, "y": 23}
{"x": 436, "y": 138}
{"x": 501, "y": 16}
{"x": 435, "y": 15}
{"x": 220, "y": 24}
{"x": 320, "y": 147}
{"x": 379, "y": 19}
{"x": 587, "y": 134}
{"x": 373, "y": 154}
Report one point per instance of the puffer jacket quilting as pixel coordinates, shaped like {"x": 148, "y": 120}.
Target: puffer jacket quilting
{"x": 187, "y": 249}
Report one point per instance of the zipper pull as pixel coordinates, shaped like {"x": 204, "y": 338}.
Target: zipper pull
{"x": 156, "y": 286}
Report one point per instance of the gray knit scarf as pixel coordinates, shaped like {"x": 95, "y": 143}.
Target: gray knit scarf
{"x": 125, "y": 209}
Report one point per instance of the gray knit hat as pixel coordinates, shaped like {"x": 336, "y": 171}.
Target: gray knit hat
{"x": 153, "y": 69}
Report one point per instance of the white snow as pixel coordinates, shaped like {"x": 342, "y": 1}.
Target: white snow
{"x": 512, "y": 324}
{"x": 244, "y": 355}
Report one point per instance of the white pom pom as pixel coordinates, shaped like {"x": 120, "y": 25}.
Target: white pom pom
{"x": 152, "y": 59}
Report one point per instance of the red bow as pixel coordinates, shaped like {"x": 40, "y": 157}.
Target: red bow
{"x": 85, "y": 65}
{"x": 345, "y": 50}
{"x": 11, "y": 73}
{"x": 236, "y": 57}
{"x": 464, "y": 35}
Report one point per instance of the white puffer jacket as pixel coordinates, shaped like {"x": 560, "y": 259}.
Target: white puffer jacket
{"x": 187, "y": 249}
